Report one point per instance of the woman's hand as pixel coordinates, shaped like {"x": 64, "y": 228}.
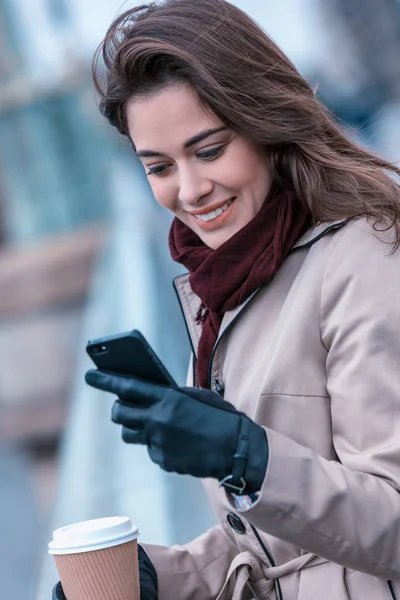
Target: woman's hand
{"x": 148, "y": 580}
{"x": 58, "y": 592}
{"x": 188, "y": 430}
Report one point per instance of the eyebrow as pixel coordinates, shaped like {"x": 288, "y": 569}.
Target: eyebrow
{"x": 199, "y": 137}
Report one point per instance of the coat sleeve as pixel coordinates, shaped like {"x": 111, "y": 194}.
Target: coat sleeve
{"x": 348, "y": 510}
{"x": 194, "y": 571}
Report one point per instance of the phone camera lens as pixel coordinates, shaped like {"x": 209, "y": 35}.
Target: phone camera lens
{"x": 99, "y": 349}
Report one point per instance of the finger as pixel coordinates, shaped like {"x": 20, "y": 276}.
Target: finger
{"x": 132, "y": 436}
{"x": 129, "y": 415}
{"x": 158, "y": 457}
{"x": 126, "y": 388}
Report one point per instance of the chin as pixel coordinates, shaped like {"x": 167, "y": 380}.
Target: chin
{"x": 215, "y": 241}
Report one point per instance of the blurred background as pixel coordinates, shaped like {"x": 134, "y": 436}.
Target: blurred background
{"x": 83, "y": 253}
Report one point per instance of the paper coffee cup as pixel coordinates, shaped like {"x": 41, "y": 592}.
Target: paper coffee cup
{"x": 97, "y": 559}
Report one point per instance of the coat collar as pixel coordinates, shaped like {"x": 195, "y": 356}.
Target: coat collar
{"x": 317, "y": 232}
{"x": 190, "y": 303}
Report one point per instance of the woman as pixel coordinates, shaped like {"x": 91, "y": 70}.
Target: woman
{"x": 290, "y": 233}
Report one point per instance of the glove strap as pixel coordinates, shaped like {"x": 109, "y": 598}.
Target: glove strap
{"x": 235, "y": 482}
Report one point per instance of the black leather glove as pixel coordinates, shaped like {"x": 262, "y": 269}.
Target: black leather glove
{"x": 148, "y": 580}
{"x": 188, "y": 430}
{"x": 148, "y": 577}
{"x": 58, "y": 593}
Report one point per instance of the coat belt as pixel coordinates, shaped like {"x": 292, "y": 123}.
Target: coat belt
{"x": 246, "y": 569}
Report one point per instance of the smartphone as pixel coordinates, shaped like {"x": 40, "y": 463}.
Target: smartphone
{"x": 131, "y": 355}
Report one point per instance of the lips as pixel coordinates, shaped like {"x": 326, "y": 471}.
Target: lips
{"x": 214, "y": 216}
{"x": 213, "y": 207}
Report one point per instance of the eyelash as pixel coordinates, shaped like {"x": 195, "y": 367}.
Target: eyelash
{"x": 213, "y": 153}
{"x": 208, "y": 155}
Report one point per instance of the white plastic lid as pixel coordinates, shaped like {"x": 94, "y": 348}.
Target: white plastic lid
{"x": 93, "y": 535}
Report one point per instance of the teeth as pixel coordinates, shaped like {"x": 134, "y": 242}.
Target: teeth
{"x": 214, "y": 213}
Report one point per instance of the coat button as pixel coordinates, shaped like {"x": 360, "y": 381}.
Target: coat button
{"x": 236, "y": 523}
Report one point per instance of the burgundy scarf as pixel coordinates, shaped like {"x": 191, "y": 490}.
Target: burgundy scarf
{"x": 224, "y": 278}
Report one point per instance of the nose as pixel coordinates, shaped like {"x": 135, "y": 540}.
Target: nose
{"x": 193, "y": 186}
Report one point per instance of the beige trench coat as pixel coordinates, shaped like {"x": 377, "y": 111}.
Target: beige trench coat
{"x": 314, "y": 357}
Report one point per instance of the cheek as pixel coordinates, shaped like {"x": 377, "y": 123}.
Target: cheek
{"x": 246, "y": 171}
{"x": 259, "y": 180}
{"x": 164, "y": 193}
{"x": 249, "y": 180}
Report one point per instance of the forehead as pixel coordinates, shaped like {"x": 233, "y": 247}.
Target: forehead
{"x": 168, "y": 118}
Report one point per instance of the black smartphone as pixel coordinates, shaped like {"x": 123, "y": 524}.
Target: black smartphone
{"x": 131, "y": 355}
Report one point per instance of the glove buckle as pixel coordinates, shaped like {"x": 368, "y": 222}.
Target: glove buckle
{"x": 232, "y": 487}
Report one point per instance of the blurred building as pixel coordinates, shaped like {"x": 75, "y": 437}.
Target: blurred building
{"x": 54, "y": 203}
{"x": 360, "y": 80}
{"x": 53, "y": 182}
{"x": 54, "y": 186}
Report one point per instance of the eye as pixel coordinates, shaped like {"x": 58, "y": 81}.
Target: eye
{"x": 211, "y": 153}
{"x": 157, "y": 170}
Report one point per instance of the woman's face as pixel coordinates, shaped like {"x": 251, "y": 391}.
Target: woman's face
{"x": 212, "y": 179}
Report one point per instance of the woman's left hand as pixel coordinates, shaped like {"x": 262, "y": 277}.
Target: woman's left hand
{"x": 188, "y": 430}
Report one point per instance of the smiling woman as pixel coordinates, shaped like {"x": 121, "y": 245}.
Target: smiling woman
{"x": 214, "y": 180}
{"x": 290, "y": 233}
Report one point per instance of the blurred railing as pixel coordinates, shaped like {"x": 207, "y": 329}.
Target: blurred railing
{"x": 99, "y": 474}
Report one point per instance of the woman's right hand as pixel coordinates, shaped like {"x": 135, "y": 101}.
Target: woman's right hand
{"x": 148, "y": 580}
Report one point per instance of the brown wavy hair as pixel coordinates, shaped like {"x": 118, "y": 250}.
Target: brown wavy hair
{"x": 247, "y": 81}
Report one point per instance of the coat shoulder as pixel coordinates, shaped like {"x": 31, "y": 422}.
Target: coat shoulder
{"x": 360, "y": 235}
{"x": 361, "y": 264}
